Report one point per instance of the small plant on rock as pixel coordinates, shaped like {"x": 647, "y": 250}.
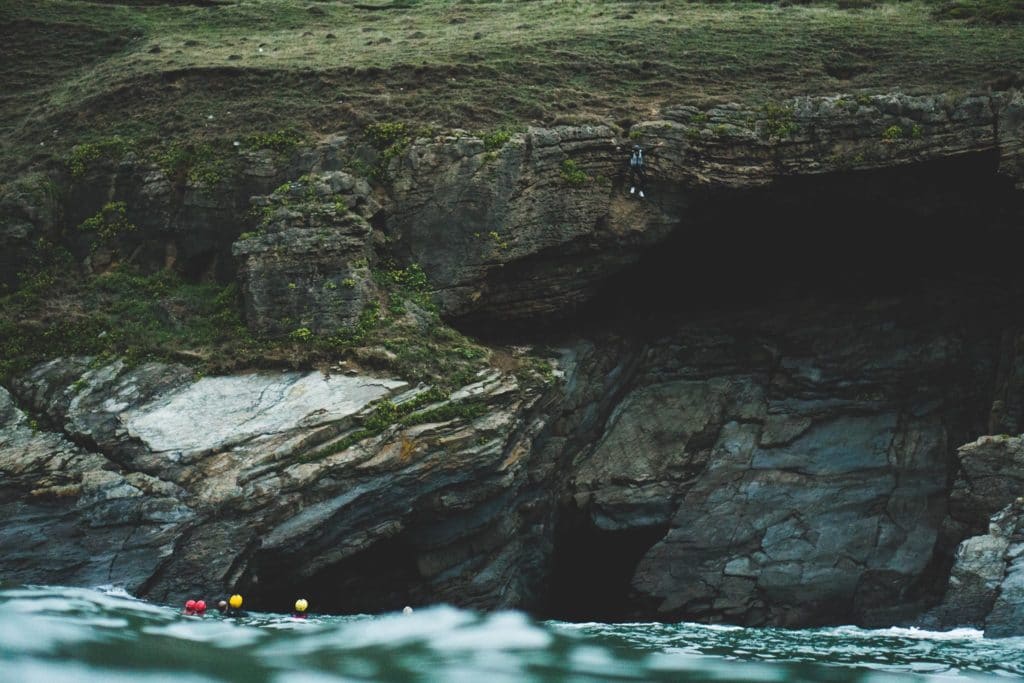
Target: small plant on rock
{"x": 109, "y": 222}
{"x": 892, "y": 134}
{"x": 496, "y": 140}
{"x": 573, "y": 174}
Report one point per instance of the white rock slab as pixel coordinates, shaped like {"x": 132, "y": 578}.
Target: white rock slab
{"x": 217, "y": 412}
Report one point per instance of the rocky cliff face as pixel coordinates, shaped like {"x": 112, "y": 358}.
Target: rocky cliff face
{"x": 765, "y": 372}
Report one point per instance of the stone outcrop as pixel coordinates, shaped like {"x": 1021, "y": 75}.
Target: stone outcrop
{"x": 525, "y": 237}
{"x": 72, "y": 517}
{"x": 991, "y": 476}
{"x": 723, "y": 441}
{"x": 255, "y": 480}
{"x": 308, "y": 264}
{"x": 798, "y": 472}
{"x": 986, "y": 583}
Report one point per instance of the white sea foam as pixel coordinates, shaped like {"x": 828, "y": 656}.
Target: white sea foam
{"x": 904, "y": 632}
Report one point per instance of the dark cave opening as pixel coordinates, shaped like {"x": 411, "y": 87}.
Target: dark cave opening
{"x": 836, "y": 236}
{"x": 591, "y": 569}
{"x": 948, "y": 224}
{"x": 378, "y": 579}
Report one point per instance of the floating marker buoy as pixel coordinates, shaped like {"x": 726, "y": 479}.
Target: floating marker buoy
{"x": 407, "y": 610}
{"x": 235, "y": 601}
{"x": 301, "y": 605}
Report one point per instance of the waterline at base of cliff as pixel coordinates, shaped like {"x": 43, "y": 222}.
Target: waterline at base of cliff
{"x": 50, "y": 633}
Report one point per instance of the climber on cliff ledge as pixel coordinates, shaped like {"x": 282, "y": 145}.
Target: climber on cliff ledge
{"x": 638, "y": 169}
{"x": 637, "y": 172}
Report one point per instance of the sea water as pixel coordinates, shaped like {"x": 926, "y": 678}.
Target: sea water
{"x": 71, "y": 634}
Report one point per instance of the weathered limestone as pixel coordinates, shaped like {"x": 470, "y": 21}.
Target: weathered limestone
{"x": 245, "y": 474}
{"x": 71, "y": 518}
{"x": 523, "y": 240}
{"x": 792, "y": 492}
{"x": 307, "y": 264}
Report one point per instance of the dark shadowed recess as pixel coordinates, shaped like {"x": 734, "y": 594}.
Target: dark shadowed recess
{"x": 847, "y": 236}
{"x": 842, "y": 236}
{"x": 378, "y": 579}
{"x": 591, "y": 570}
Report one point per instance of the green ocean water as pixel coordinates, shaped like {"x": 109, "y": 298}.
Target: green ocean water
{"x": 73, "y": 634}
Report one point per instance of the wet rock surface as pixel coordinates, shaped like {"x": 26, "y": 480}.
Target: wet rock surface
{"x": 244, "y": 477}
{"x": 986, "y": 583}
{"x": 800, "y": 470}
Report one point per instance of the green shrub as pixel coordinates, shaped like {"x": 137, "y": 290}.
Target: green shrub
{"x": 573, "y": 174}
{"x": 496, "y": 140}
{"x": 109, "y": 222}
{"x": 892, "y": 133}
{"x": 200, "y": 163}
{"x": 281, "y": 141}
{"x": 301, "y": 334}
{"x": 778, "y": 121}
{"x": 83, "y": 155}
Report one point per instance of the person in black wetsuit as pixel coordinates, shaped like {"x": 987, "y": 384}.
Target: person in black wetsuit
{"x": 637, "y": 172}
{"x": 231, "y": 607}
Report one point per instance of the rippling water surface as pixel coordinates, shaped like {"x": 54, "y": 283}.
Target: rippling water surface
{"x": 58, "y": 634}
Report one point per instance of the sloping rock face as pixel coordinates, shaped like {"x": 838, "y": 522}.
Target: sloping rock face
{"x": 986, "y": 585}
{"x": 71, "y": 516}
{"x": 182, "y": 486}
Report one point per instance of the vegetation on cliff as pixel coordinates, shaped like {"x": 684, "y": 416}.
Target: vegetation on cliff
{"x": 159, "y": 71}
{"x": 190, "y": 87}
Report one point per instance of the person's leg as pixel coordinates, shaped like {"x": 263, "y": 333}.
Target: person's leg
{"x": 642, "y": 181}
{"x": 632, "y": 180}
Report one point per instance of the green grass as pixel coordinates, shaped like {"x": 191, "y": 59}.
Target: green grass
{"x": 86, "y": 83}
{"x": 159, "y": 72}
{"x": 138, "y": 317}
{"x": 122, "y": 314}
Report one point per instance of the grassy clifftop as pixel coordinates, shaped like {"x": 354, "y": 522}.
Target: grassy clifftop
{"x": 149, "y": 70}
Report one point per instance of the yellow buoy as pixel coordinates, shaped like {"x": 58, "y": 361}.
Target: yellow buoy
{"x": 301, "y": 605}
{"x": 235, "y": 601}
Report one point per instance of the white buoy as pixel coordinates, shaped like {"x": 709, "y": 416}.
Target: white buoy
{"x": 407, "y": 610}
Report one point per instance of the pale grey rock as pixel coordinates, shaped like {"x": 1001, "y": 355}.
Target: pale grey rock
{"x": 986, "y": 584}
{"x": 217, "y": 412}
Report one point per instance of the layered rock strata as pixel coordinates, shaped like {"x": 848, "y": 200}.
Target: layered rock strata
{"x": 181, "y": 485}
{"x": 763, "y": 458}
